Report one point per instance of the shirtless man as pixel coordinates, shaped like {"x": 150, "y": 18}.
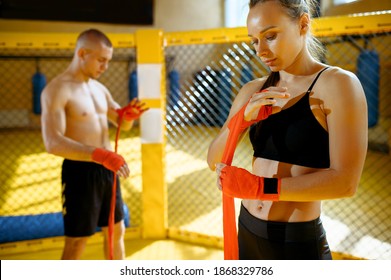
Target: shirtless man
{"x": 76, "y": 109}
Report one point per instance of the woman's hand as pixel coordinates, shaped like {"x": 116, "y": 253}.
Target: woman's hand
{"x": 219, "y": 167}
{"x": 266, "y": 97}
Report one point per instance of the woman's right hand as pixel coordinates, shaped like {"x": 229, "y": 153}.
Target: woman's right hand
{"x": 266, "y": 97}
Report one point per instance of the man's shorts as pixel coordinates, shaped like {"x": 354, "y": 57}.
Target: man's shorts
{"x": 86, "y": 197}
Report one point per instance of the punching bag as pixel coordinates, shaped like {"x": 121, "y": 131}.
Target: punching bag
{"x": 224, "y": 96}
{"x": 368, "y": 72}
{"x": 133, "y": 85}
{"x": 173, "y": 77}
{"x": 247, "y": 74}
{"x": 39, "y": 82}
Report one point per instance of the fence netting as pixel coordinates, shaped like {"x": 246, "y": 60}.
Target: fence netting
{"x": 202, "y": 81}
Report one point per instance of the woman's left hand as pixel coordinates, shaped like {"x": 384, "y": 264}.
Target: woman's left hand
{"x": 219, "y": 167}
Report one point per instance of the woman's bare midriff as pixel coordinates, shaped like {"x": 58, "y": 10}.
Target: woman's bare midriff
{"x": 282, "y": 211}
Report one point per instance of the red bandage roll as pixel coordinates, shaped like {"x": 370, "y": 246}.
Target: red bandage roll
{"x": 239, "y": 121}
{"x": 236, "y": 126}
{"x": 113, "y": 162}
{"x": 108, "y": 159}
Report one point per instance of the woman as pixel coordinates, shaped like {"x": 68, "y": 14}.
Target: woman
{"x": 311, "y": 138}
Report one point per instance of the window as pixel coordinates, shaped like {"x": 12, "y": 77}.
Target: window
{"x": 340, "y": 2}
{"x": 235, "y": 13}
{"x": 108, "y": 11}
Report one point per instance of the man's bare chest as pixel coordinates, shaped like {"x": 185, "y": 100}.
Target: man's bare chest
{"x": 86, "y": 105}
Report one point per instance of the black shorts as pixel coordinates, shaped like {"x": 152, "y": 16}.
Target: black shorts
{"x": 267, "y": 240}
{"x": 86, "y": 197}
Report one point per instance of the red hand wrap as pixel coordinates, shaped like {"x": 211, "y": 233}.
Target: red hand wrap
{"x": 131, "y": 112}
{"x": 238, "y": 118}
{"x": 238, "y": 182}
{"x": 108, "y": 159}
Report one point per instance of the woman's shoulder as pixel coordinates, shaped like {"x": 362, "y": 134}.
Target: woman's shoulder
{"x": 337, "y": 74}
{"x": 246, "y": 91}
{"x": 337, "y": 80}
{"x": 252, "y": 86}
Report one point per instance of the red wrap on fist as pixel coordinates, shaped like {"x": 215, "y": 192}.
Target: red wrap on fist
{"x": 132, "y": 111}
{"x": 108, "y": 159}
{"x": 238, "y": 182}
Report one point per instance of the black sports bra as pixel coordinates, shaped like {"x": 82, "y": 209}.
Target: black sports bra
{"x": 293, "y": 135}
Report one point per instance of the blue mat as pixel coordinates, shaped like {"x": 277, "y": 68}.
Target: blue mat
{"x": 28, "y": 227}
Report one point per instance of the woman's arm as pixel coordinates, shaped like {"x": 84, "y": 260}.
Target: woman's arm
{"x": 347, "y": 122}
{"x": 216, "y": 148}
{"x": 249, "y": 93}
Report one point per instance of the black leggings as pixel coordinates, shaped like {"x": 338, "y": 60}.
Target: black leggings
{"x": 267, "y": 240}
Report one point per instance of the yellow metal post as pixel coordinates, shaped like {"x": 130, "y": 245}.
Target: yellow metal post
{"x": 151, "y": 90}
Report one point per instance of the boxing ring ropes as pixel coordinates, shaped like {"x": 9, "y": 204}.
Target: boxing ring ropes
{"x": 151, "y": 71}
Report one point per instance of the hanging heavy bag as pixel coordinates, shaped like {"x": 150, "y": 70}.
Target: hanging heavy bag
{"x": 133, "y": 85}
{"x": 368, "y": 72}
{"x": 39, "y": 82}
{"x": 224, "y": 99}
{"x": 174, "y": 79}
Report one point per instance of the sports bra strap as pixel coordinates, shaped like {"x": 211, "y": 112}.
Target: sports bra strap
{"x": 316, "y": 78}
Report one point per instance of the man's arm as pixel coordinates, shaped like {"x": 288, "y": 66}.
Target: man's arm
{"x": 112, "y": 114}
{"x": 53, "y": 121}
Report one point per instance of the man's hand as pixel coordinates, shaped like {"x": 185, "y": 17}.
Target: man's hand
{"x": 111, "y": 161}
{"x": 132, "y": 111}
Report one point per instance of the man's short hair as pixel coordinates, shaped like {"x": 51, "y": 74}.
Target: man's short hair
{"x": 93, "y": 35}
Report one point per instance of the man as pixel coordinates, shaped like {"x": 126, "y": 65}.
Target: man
{"x": 76, "y": 109}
